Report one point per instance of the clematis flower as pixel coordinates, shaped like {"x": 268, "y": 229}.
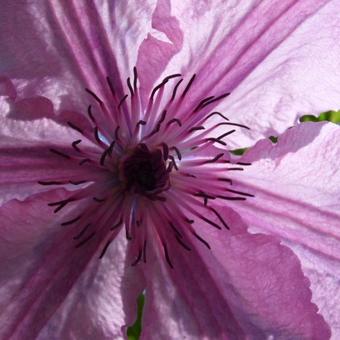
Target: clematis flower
{"x": 116, "y": 177}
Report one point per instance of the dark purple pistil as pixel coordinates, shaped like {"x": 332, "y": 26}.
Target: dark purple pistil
{"x": 144, "y": 171}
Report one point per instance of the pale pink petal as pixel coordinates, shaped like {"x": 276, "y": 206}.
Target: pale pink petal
{"x": 26, "y": 158}
{"x": 155, "y": 53}
{"x": 296, "y": 185}
{"x": 246, "y": 285}
{"x": 57, "y": 48}
{"x": 51, "y": 289}
{"x": 277, "y": 58}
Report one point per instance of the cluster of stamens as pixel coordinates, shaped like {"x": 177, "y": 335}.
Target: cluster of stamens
{"x": 152, "y": 167}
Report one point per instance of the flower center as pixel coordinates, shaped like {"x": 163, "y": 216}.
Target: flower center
{"x": 144, "y": 171}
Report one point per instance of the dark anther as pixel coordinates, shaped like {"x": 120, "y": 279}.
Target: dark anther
{"x": 78, "y": 182}
{"x": 130, "y": 87}
{"x": 244, "y": 164}
{"x": 215, "y": 140}
{"x": 89, "y": 112}
{"x": 99, "y": 200}
{"x": 85, "y": 240}
{"x": 96, "y": 135}
{"x": 215, "y": 225}
{"x": 117, "y": 224}
{"x": 75, "y": 143}
{"x": 188, "y": 86}
{"x": 202, "y": 102}
{"x": 144, "y": 172}
{"x": 186, "y": 174}
{"x": 116, "y": 133}
{"x": 105, "y": 249}
{"x": 167, "y": 256}
{"x": 182, "y": 243}
{"x": 110, "y": 148}
{"x": 144, "y": 252}
{"x": 122, "y": 101}
{"x": 135, "y": 77}
{"x": 204, "y": 195}
{"x": 175, "y": 90}
{"x": 165, "y": 151}
{"x": 226, "y": 134}
{"x": 51, "y": 183}
{"x": 220, "y": 218}
{"x": 82, "y": 232}
{"x": 205, "y": 201}
{"x": 179, "y": 155}
{"x": 75, "y": 127}
{"x": 229, "y": 198}
{"x": 215, "y": 99}
{"x": 174, "y": 120}
{"x": 235, "y": 169}
{"x": 188, "y": 220}
{"x": 159, "y": 86}
{"x": 216, "y": 158}
{"x": 222, "y": 179}
{"x": 138, "y": 258}
{"x": 112, "y": 89}
{"x": 103, "y": 157}
{"x": 60, "y": 204}
{"x": 175, "y": 229}
{"x": 59, "y": 153}
{"x": 83, "y": 161}
{"x": 240, "y": 193}
{"x": 127, "y": 233}
{"x": 196, "y": 128}
{"x": 158, "y": 125}
{"x": 173, "y": 162}
{"x": 216, "y": 113}
{"x": 234, "y": 124}
{"x": 202, "y": 240}
{"x": 94, "y": 96}
{"x": 141, "y": 122}
{"x": 74, "y": 220}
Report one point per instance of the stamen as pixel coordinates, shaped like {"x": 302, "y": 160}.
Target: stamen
{"x": 167, "y": 256}
{"x": 82, "y": 232}
{"x": 173, "y": 162}
{"x": 59, "y": 153}
{"x": 202, "y": 102}
{"x": 85, "y": 240}
{"x": 226, "y": 134}
{"x": 182, "y": 243}
{"x": 158, "y": 126}
{"x": 105, "y": 248}
{"x": 188, "y": 86}
{"x": 165, "y": 151}
{"x": 86, "y": 160}
{"x": 135, "y": 77}
{"x": 51, "y": 183}
{"x": 240, "y": 193}
{"x": 112, "y": 89}
{"x": 215, "y": 99}
{"x": 75, "y": 143}
{"x": 72, "y": 221}
{"x": 144, "y": 252}
{"x": 99, "y": 200}
{"x": 139, "y": 256}
{"x": 201, "y": 239}
{"x": 96, "y": 135}
{"x": 75, "y": 127}
{"x": 215, "y": 113}
{"x": 122, "y": 101}
{"x": 130, "y": 87}
{"x": 90, "y": 114}
{"x": 61, "y": 204}
{"x": 179, "y": 156}
{"x": 174, "y": 120}
{"x": 216, "y": 158}
{"x": 196, "y": 128}
{"x": 94, "y": 96}
{"x": 220, "y": 218}
{"x": 117, "y": 224}
{"x": 175, "y": 90}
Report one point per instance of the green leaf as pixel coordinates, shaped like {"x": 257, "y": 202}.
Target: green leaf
{"x": 134, "y": 331}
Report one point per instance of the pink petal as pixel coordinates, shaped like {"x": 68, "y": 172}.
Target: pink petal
{"x": 50, "y": 289}
{"x": 277, "y": 58}
{"x": 296, "y": 186}
{"x": 57, "y": 48}
{"x": 246, "y": 285}
{"x": 26, "y": 158}
{"x": 154, "y": 54}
